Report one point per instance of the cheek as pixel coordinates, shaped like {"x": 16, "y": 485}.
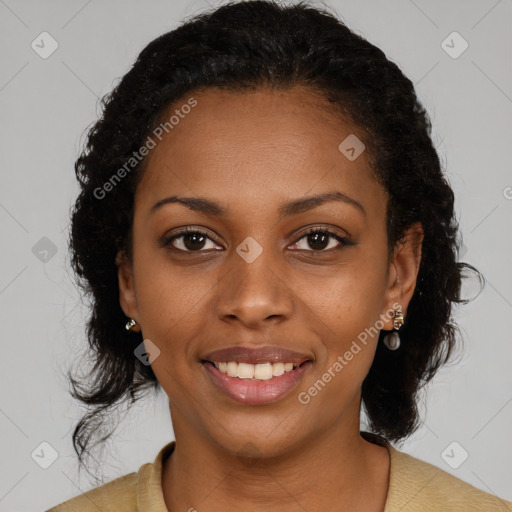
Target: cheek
{"x": 169, "y": 303}
{"x": 166, "y": 293}
{"x": 348, "y": 305}
{"x": 348, "y": 347}
{"x": 353, "y": 293}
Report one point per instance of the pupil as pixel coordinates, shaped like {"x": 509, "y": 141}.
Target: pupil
{"x": 196, "y": 238}
{"x": 314, "y": 238}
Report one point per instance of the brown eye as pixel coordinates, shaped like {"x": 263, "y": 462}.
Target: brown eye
{"x": 321, "y": 239}
{"x": 189, "y": 240}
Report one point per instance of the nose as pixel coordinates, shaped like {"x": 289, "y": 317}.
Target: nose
{"x": 255, "y": 292}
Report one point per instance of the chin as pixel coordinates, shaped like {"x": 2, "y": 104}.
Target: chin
{"x": 268, "y": 440}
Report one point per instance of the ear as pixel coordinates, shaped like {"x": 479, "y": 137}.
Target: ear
{"x": 403, "y": 271}
{"x": 127, "y": 297}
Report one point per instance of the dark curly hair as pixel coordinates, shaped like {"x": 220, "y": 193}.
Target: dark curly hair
{"x": 241, "y": 46}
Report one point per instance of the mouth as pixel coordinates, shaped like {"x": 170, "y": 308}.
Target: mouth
{"x": 256, "y": 384}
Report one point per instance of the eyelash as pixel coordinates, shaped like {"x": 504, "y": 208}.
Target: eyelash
{"x": 343, "y": 240}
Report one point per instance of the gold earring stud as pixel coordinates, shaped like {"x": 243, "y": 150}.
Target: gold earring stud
{"x": 398, "y": 319}
{"x": 132, "y": 325}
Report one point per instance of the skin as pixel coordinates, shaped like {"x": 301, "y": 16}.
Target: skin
{"x": 251, "y": 152}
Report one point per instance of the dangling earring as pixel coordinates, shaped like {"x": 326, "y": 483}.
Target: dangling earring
{"x": 132, "y": 325}
{"x": 392, "y": 339}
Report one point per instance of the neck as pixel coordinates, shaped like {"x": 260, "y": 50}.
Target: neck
{"x": 337, "y": 471}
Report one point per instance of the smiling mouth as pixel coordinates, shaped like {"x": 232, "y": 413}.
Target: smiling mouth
{"x": 260, "y": 371}
{"x": 256, "y": 384}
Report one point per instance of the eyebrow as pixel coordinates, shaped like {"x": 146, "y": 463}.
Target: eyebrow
{"x": 210, "y": 207}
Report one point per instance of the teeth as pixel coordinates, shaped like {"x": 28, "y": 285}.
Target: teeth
{"x": 245, "y": 371}
{"x": 232, "y": 369}
{"x": 262, "y": 371}
{"x": 277, "y": 369}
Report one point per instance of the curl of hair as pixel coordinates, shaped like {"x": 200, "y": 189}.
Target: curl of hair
{"x": 242, "y": 46}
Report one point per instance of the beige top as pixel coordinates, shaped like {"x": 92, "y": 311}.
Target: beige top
{"x": 414, "y": 486}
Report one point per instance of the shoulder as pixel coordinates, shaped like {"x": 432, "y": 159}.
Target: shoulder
{"x": 117, "y": 495}
{"x": 129, "y": 493}
{"x": 416, "y": 485}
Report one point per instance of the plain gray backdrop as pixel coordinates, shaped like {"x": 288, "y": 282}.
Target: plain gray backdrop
{"x": 47, "y": 103}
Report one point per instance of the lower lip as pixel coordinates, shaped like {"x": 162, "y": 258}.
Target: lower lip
{"x": 256, "y": 392}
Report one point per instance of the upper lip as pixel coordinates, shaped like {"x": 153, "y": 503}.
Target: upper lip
{"x": 252, "y": 355}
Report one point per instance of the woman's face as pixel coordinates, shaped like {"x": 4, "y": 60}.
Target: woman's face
{"x": 252, "y": 277}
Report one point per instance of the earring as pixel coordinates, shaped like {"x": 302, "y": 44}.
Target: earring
{"x": 132, "y": 325}
{"x": 392, "y": 339}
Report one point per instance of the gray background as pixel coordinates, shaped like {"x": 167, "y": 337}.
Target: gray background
{"x": 46, "y": 105}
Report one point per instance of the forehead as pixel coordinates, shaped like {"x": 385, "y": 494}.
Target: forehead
{"x": 252, "y": 143}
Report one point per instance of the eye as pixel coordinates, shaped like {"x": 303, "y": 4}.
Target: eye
{"x": 195, "y": 240}
{"x": 189, "y": 240}
{"x": 318, "y": 239}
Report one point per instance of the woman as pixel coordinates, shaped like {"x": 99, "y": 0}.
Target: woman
{"x": 267, "y": 234}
